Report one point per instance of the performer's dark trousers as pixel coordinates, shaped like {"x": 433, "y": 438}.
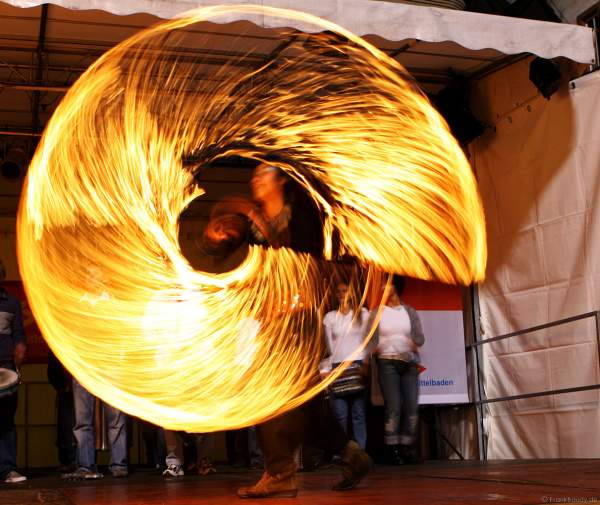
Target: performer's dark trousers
{"x": 311, "y": 423}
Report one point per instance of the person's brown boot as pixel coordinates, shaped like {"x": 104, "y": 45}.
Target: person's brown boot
{"x": 271, "y": 487}
{"x": 357, "y": 464}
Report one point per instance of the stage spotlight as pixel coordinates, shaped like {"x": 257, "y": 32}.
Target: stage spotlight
{"x": 10, "y": 170}
{"x": 14, "y": 162}
{"x": 545, "y": 75}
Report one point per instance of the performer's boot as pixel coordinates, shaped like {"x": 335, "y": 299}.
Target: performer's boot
{"x": 269, "y": 487}
{"x": 356, "y": 465}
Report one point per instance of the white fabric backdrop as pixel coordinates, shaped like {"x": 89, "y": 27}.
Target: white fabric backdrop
{"x": 539, "y": 179}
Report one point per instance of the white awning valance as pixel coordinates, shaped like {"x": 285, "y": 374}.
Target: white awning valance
{"x": 391, "y": 21}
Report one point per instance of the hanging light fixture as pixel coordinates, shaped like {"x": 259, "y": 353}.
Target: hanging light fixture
{"x": 14, "y": 161}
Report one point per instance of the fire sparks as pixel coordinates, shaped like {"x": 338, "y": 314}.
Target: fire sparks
{"x": 98, "y": 222}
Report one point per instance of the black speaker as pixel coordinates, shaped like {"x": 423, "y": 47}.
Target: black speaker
{"x": 545, "y": 75}
{"x": 453, "y": 104}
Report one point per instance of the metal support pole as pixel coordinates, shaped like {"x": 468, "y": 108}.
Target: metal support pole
{"x": 597, "y": 319}
{"x": 477, "y": 359}
{"x": 596, "y": 65}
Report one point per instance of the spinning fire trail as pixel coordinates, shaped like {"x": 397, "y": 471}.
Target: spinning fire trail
{"x": 98, "y": 221}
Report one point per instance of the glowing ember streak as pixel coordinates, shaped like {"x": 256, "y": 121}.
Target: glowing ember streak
{"x": 98, "y": 222}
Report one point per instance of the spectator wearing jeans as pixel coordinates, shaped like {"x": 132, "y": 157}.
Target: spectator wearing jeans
{"x": 282, "y": 215}
{"x": 399, "y": 337}
{"x": 85, "y": 435}
{"x": 85, "y": 403}
{"x": 345, "y": 330}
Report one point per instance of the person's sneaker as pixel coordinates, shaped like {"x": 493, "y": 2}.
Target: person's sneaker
{"x": 119, "y": 472}
{"x": 357, "y": 464}
{"x": 174, "y": 471}
{"x": 13, "y": 477}
{"x": 271, "y": 487}
{"x": 206, "y": 467}
{"x": 82, "y": 474}
{"x": 337, "y": 459}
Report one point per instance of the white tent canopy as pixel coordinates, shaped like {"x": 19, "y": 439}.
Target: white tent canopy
{"x": 392, "y": 21}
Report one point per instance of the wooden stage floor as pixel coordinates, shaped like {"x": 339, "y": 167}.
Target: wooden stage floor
{"x": 432, "y": 483}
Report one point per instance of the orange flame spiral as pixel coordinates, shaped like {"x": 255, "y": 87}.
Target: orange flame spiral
{"x": 98, "y": 221}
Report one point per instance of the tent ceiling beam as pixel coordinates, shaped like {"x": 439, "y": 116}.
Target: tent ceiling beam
{"x": 498, "y": 65}
{"x": 403, "y": 49}
{"x": 39, "y": 72}
{"x": 34, "y": 87}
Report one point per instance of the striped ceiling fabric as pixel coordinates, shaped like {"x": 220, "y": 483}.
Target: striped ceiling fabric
{"x": 446, "y": 4}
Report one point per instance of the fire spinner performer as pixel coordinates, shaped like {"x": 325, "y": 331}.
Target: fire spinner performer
{"x": 281, "y": 217}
